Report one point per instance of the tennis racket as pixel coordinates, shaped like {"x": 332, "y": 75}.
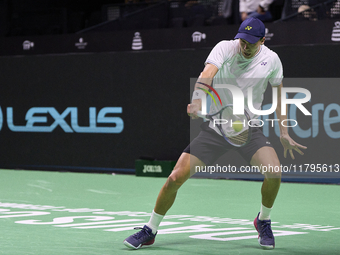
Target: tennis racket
{"x": 224, "y": 120}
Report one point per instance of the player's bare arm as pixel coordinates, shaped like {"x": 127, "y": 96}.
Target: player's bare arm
{"x": 206, "y": 77}
{"x": 287, "y": 142}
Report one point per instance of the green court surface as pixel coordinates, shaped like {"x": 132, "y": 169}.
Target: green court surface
{"x": 74, "y": 213}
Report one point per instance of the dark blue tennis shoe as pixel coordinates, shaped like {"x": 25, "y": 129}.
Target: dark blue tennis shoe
{"x": 142, "y": 237}
{"x": 266, "y": 237}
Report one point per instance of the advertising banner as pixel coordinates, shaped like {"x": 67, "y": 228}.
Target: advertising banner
{"x": 104, "y": 111}
{"x": 92, "y": 111}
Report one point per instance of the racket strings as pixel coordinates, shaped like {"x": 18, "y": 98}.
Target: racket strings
{"x": 224, "y": 119}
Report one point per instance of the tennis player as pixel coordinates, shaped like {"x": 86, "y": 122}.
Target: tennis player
{"x": 247, "y": 60}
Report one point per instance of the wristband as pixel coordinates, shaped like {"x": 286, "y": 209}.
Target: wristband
{"x": 198, "y": 94}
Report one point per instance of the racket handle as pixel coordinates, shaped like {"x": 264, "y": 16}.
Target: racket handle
{"x": 199, "y": 114}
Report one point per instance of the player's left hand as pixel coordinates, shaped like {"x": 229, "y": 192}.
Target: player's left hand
{"x": 289, "y": 145}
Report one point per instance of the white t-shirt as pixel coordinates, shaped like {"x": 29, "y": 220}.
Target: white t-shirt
{"x": 236, "y": 70}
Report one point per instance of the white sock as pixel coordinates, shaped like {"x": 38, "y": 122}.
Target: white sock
{"x": 264, "y": 213}
{"x": 154, "y": 221}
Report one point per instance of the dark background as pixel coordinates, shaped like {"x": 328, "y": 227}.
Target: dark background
{"x": 153, "y": 90}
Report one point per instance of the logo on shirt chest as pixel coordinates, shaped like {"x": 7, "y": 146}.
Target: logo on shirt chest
{"x": 263, "y": 63}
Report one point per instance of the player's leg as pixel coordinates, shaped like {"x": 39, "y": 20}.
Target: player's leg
{"x": 206, "y": 147}
{"x": 266, "y": 158}
{"x": 183, "y": 169}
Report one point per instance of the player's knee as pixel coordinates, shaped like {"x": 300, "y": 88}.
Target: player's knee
{"x": 175, "y": 180}
{"x": 275, "y": 173}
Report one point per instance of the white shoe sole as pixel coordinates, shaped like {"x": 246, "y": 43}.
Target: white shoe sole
{"x": 266, "y": 247}
{"x": 131, "y": 246}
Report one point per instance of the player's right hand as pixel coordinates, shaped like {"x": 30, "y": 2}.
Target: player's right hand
{"x": 192, "y": 110}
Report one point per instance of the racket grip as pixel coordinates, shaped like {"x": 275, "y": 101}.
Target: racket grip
{"x": 199, "y": 114}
